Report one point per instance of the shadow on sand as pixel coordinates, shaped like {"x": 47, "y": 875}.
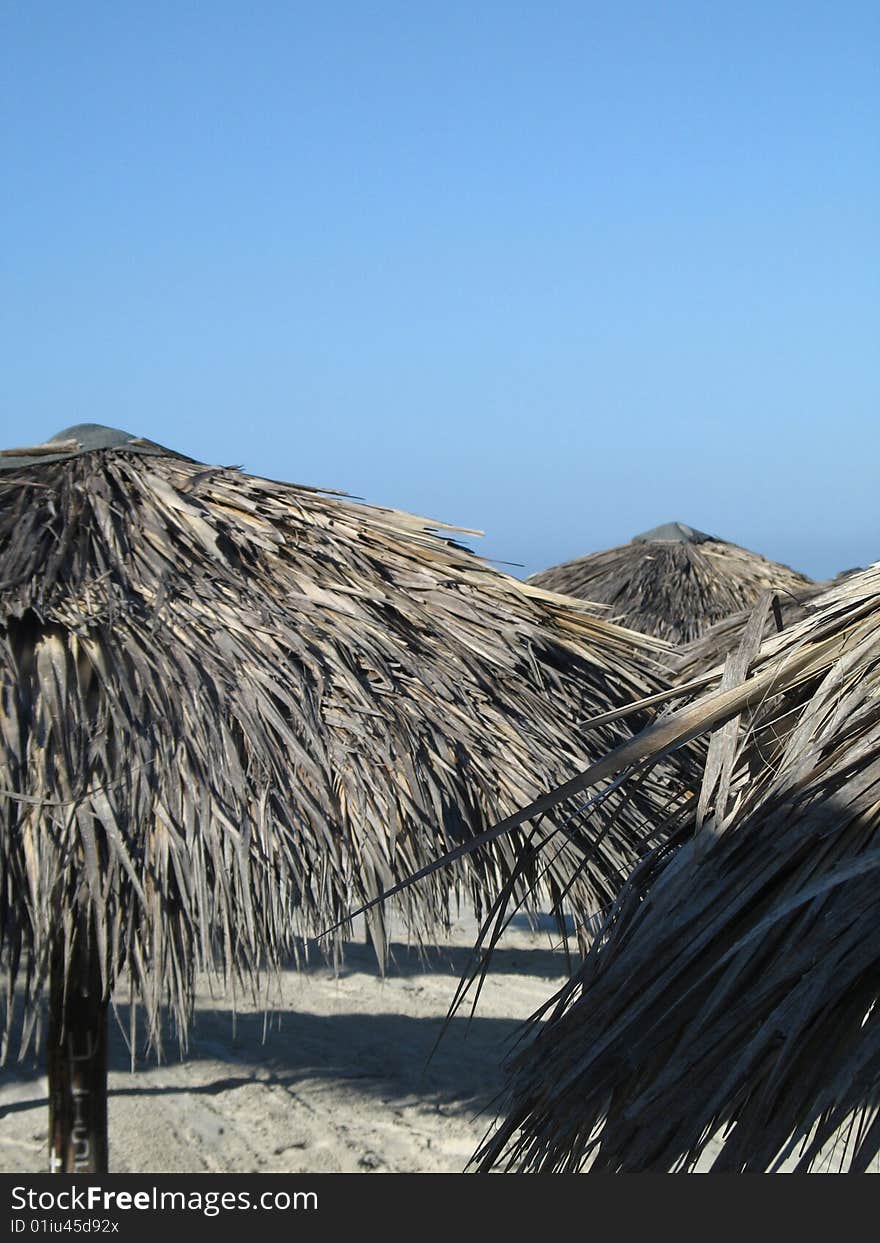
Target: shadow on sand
{"x": 393, "y": 1056}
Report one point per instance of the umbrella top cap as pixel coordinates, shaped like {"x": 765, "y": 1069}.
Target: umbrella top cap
{"x": 80, "y": 438}
{"x": 672, "y": 533}
{"x": 93, "y": 436}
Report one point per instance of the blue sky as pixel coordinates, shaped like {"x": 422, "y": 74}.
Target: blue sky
{"x": 559, "y": 271}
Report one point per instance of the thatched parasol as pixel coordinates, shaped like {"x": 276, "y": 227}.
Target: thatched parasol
{"x": 672, "y": 582}
{"x": 736, "y": 984}
{"x": 232, "y": 709}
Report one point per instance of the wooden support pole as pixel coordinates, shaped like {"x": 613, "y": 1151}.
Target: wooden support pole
{"x": 77, "y": 1062}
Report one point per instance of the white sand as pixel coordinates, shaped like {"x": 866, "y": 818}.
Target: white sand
{"x": 342, "y": 1081}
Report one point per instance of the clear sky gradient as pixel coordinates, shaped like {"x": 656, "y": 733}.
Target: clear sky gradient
{"x": 560, "y": 271}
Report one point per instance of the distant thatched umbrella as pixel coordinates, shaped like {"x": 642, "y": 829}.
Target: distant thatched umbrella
{"x": 672, "y": 582}
{"x": 736, "y": 983}
{"x": 231, "y": 709}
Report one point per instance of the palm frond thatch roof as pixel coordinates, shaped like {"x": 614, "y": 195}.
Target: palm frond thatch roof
{"x": 732, "y": 996}
{"x": 231, "y": 709}
{"x": 673, "y": 581}
{"x": 691, "y": 660}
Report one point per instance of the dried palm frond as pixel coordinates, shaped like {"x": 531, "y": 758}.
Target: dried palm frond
{"x": 672, "y": 582}
{"x": 731, "y": 997}
{"x": 231, "y": 709}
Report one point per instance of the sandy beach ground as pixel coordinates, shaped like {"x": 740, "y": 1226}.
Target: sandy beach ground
{"x": 343, "y": 1077}
{"x": 342, "y": 1080}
